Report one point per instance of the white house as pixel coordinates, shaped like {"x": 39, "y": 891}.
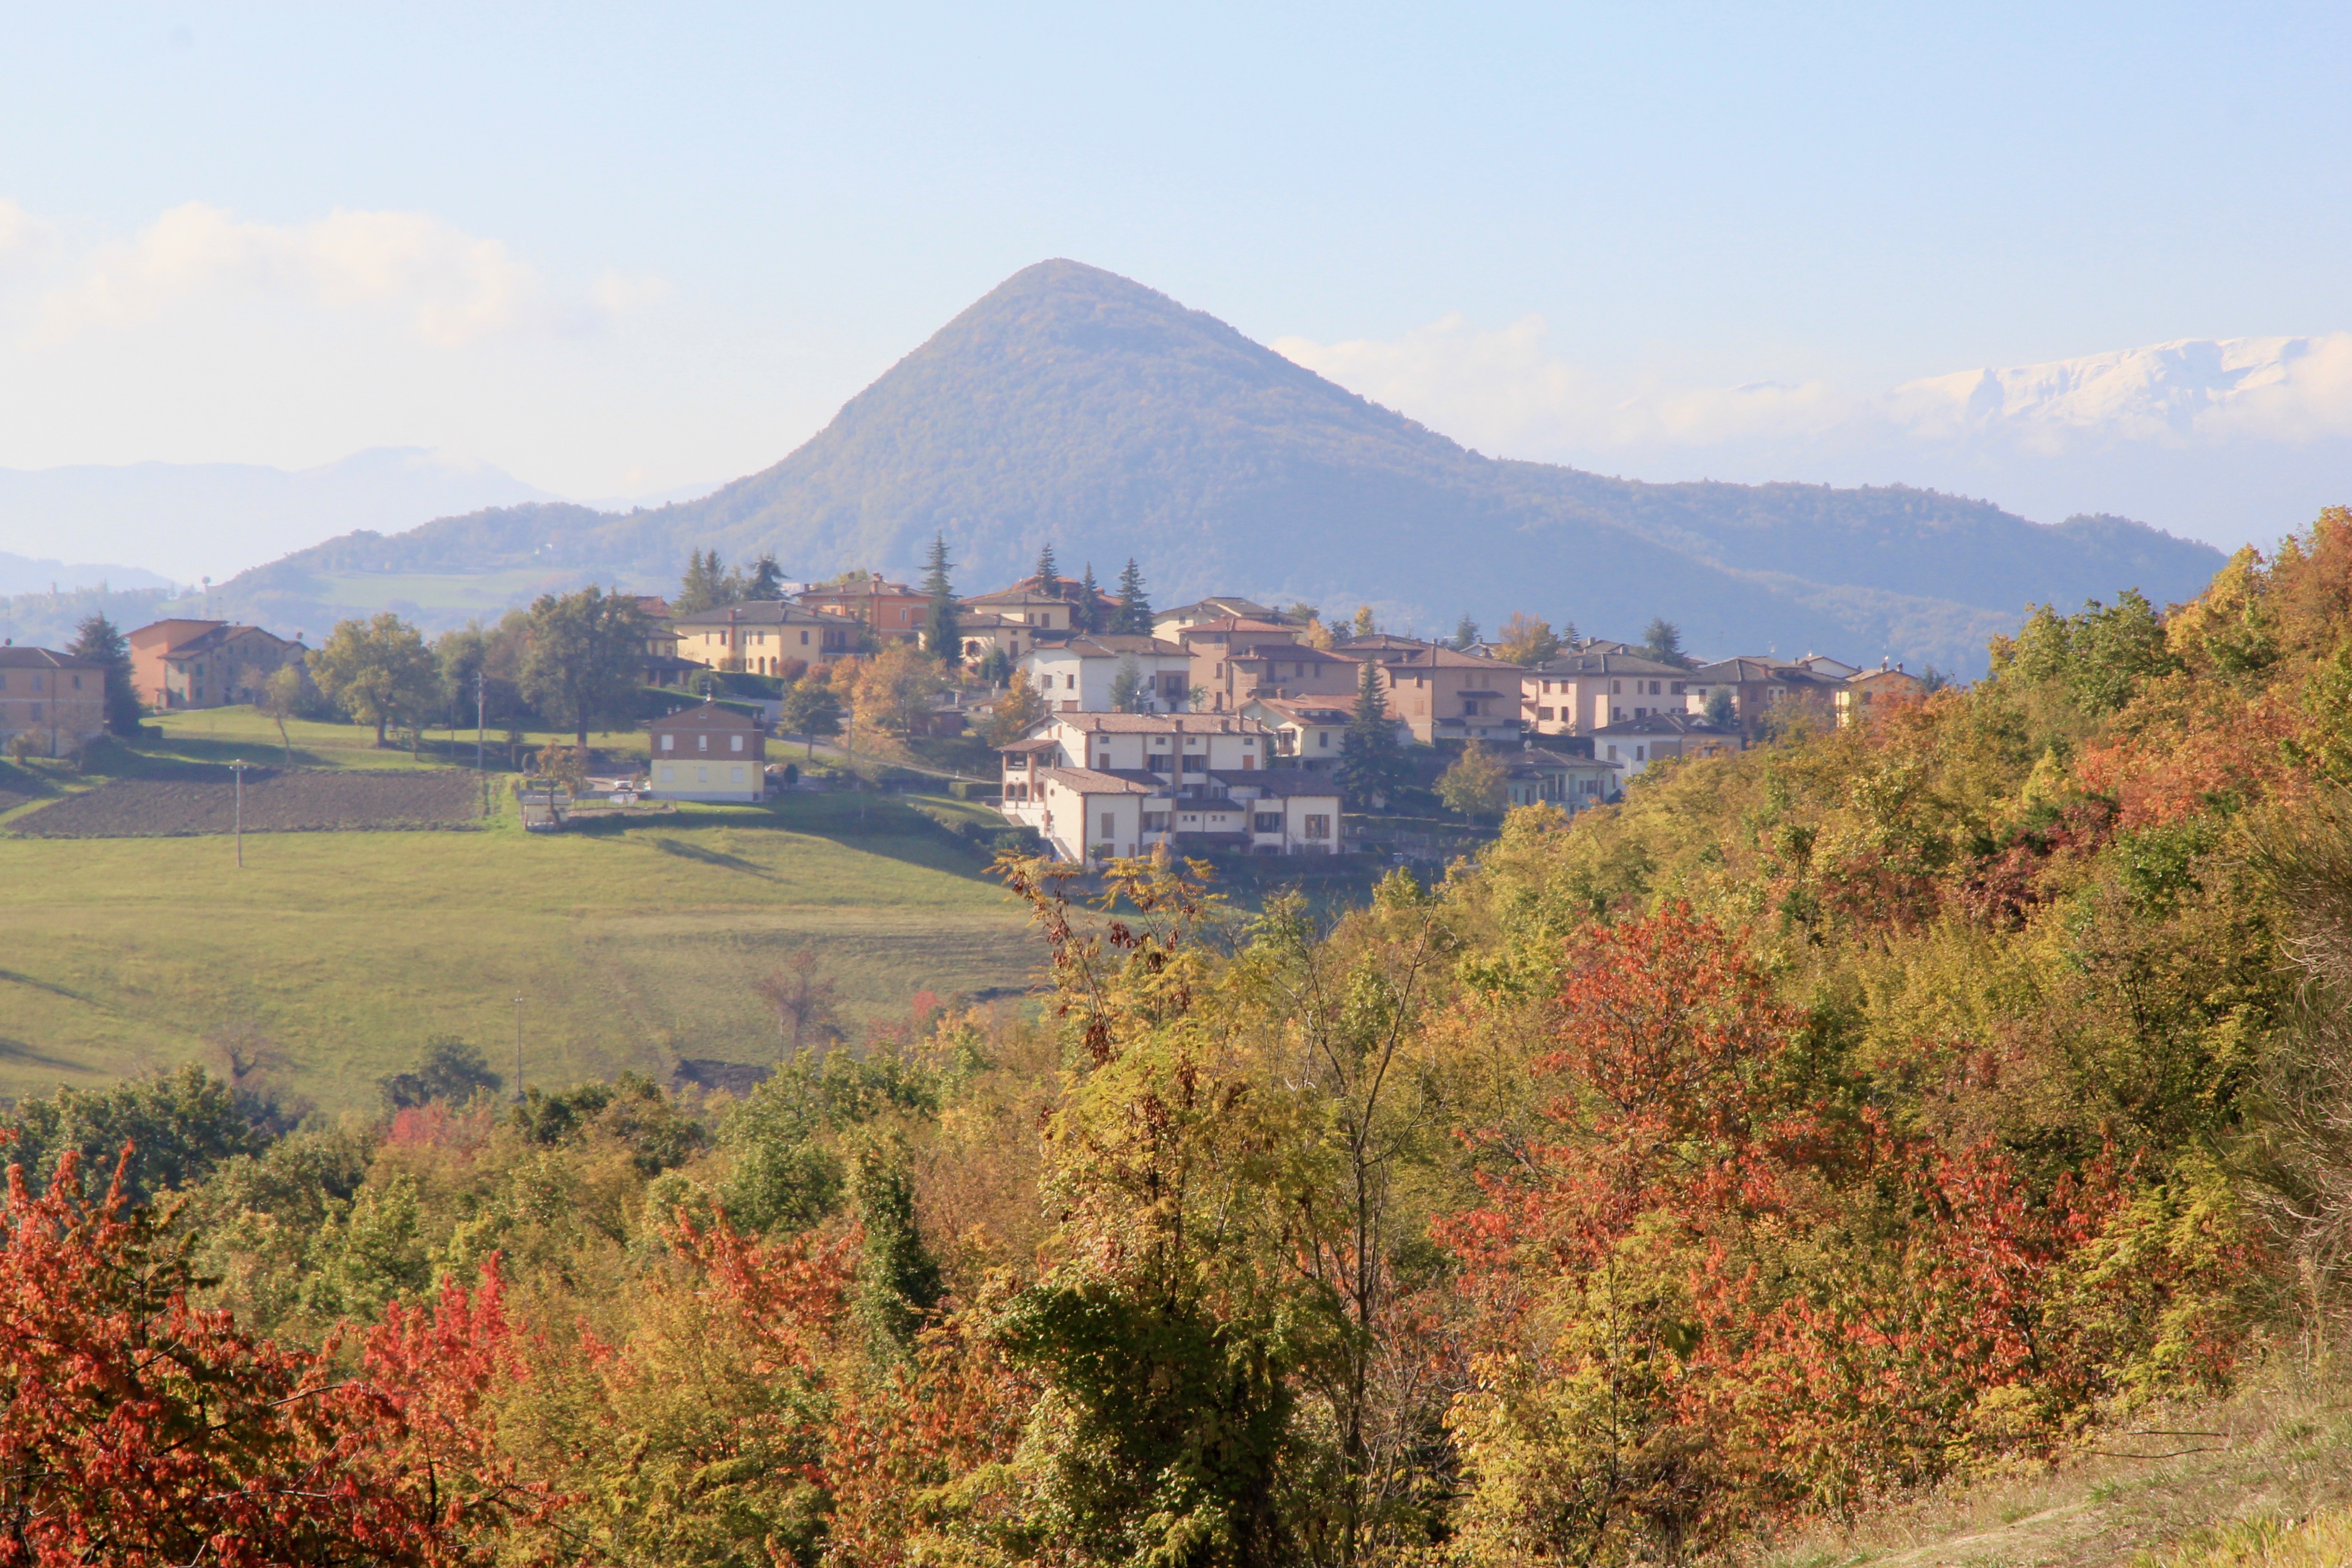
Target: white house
{"x": 1309, "y": 732}
{"x": 1098, "y": 784}
{"x": 1075, "y": 676}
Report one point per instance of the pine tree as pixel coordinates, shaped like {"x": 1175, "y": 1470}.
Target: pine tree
{"x": 1663, "y": 640}
{"x": 766, "y": 578}
{"x": 1465, "y": 634}
{"x": 942, "y": 637}
{"x": 1049, "y": 581}
{"x": 706, "y": 584}
{"x": 1134, "y": 605}
{"x": 1086, "y": 615}
{"x": 1370, "y": 762}
{"x": 98, "y": 640}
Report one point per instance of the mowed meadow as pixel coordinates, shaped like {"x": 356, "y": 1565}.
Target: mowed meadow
{"x": 335, "y": 955}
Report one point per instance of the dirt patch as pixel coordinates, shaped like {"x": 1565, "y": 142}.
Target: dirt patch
{"x": 275, "y": 801}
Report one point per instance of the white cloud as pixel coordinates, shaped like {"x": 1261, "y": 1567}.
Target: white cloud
{"x": 438, "y": 283}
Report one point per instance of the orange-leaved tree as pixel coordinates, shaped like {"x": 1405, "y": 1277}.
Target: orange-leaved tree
{"x": 139, "y": 1428}
{"x": 1726, "y": 1285}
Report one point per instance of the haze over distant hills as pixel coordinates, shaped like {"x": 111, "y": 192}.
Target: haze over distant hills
{"x": 1076, "y": 406}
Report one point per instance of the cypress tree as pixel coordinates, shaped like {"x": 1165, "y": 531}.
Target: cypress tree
{"x": 941, "y": 635}
{"x": 1088, "y": 616}
{"x": 1370, "y": 762}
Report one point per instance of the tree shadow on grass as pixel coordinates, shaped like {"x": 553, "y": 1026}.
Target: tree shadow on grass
{"x": 719, "y": 858}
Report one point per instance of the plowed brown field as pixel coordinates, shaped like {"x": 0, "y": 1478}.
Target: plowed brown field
{"x": 302, "y": 800}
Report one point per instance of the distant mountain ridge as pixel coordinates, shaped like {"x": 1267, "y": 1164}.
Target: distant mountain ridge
{"x": 1075, "y": 406}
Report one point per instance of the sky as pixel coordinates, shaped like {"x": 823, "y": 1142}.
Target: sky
{"x": 615, "y": 251}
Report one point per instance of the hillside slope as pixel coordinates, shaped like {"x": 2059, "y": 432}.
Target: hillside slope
{"x": 1076, "y": 406}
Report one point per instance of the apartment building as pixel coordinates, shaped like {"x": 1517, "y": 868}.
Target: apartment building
{"x": 54, "y": 701}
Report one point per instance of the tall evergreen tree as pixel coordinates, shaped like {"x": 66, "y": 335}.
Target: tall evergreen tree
{"x": 1087, "y": 615}
{"x": 1663, "y": 640}
{"x": 1134, "y": 604}
{"x": 1049, "y": 579}
{"x": 1370, "y": 762}
{"x": 98, "y": 640}
{"x": 1465, "y": 634}
{"x": 942, "y": 637}
{"x": 706, "y": 584}
{"x": 766, "y": 578}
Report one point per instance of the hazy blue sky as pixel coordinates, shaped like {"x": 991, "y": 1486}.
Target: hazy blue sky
{"x": 616, "y": 249}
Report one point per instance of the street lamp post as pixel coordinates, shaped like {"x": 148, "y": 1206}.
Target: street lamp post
{"x": 237, "y": 768}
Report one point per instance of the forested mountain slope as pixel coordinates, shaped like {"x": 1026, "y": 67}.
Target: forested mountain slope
{"x": 1074, "y": 405}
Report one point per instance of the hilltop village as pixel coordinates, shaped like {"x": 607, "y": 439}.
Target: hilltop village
{"x": 1224, "y": 725}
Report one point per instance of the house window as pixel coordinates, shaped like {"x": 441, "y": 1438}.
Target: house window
{"x": 670, "y": 742}
{"x": 804, "y": 640}
{"x": 1070, "y": 683}
{"x": 1110, "y": 822}
{"x": 1267, "y": 822}
{"x": 1616, "y": 689}
{"x": 1612, "y": 753}
{"x": 734, "y": 743}
{"x": 1543, "y": 715}
{"x": 1676, "y": 689}
{"x": 702, "y": 776}
{"x": 1470, "y": 708}
{"x": 1640, "y": 754}
{"x": 36, "y": 712}
{"x": 1323, "y": 738}
{"x": 1155, "y": 822}
{"x": 702, "y": 743}
{"x": 1193, "y": 764}
{"x": 1318, "y": 826}
{"x": 77, "y": 680}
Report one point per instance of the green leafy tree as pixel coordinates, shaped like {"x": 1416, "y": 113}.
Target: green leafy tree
{"x": 1134, "y": 604}
{"x": 1015, "y": 714}
{"x": 379, "y": 671}
{"x": 1721, "y": 710}
{"x": 1128, "y": 688}
{"x": 767, "y": 580}
{"x": 942, "y": 637}
{"x": 282, "y": 696}
{"x": 812, "y": 709}
{"x": 1663, "y": 640}
{"x": 448, "y": 1070}
{"x": 1474, "y": 784}
{"x": 182, "y": 1124}
{"x": 898, "y": 1281}
{"x": 586, "y": 658}
{"x": 1370, "y": 762}
{"x": 1465, "y": 634}
{"x": 1364, "y": 625}
{"x": 96, "y": 640}
{"x": 1527, "y": 640}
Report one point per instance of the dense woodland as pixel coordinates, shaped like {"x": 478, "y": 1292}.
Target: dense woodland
{"x": 1870, "y": 1111}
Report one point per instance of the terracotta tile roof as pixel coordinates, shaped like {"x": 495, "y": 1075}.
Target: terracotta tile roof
{"x": 1118, "y": 645}
{"x": 1033, "y": 744}
{"x": 1162, "y": 724}
{"x": 1086, "y": 781}
{"x": 13, "y": 658}
{"x": 1608, "y": 664}
{"x": 1280, "y": 781}
{"x": 754, "y": 613}
{"x": 1667, "y": 724}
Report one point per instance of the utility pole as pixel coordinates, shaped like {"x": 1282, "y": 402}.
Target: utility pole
{"x": 518, "y": 1047}
{"x": 237, "y": 768}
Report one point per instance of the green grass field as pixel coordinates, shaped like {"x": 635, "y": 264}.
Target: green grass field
{"x": 629, "y": 946}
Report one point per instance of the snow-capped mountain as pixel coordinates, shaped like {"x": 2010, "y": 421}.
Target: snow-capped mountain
{"x": 2190, "y": 391}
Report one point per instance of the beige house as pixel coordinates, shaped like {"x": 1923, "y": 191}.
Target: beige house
{"x": 1760, "y": 686}
{"x": 1442, "y": 695}
{"x": 55, "y": 702}
{"x": 757, "y": 636}
{"x": 1100, "y": 784}
{"x": 1024, "y": 607}
{"x": 1635, "y": 743}
{"x": 707, "y": 753}
{"x": 1578, "y": 693}
{"x": 1870, "y": 692}
{"x": 1308, "y": 731}
{"x": 1215, "y": 607}
{"x": 206, "y": 664}
{"x": 1214, "y": 647}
